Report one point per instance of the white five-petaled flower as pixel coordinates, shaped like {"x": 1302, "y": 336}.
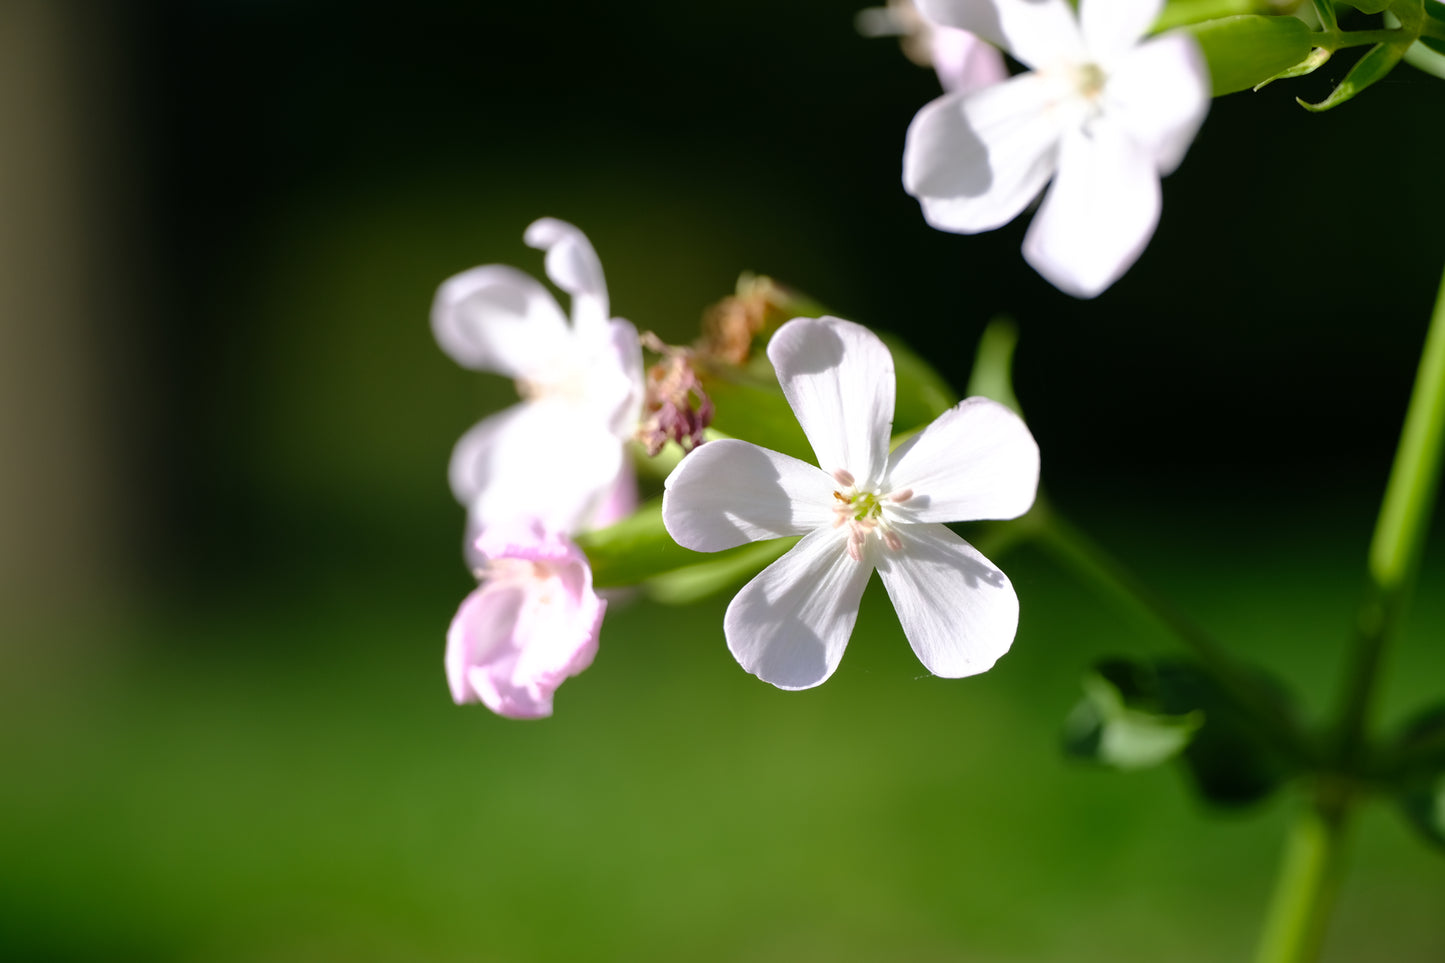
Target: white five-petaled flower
{"x": 1101, "y": 113}
{"x": 861, "y": 508}
{"x": 558, "y": 455}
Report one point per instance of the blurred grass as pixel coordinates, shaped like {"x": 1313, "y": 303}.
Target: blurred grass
{"x": 251, "y": 781}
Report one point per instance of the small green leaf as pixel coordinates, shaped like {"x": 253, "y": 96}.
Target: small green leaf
{"x": 1418, "y": 758}
{"x": 1246, "y": 51}
{"x": 1119, "y": 722}
{"x": 1229, "y": 762}
{"x": 1374, "y": 65}
{"x": 1138, "y": 714}
{"x": 1423, "y": 804}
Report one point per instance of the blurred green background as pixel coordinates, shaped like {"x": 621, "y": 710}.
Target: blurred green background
{"x": 228, "y": 555}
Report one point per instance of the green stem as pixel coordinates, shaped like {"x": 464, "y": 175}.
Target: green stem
{"x": 1333, "y": 41}
{"x": 1090, "y": 560}
{"x": 1305, "y": 889}
{"x": 1400, "y": 531}
{"x": 1295, "y": 926}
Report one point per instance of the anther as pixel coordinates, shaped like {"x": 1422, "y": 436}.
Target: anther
{"x": 900, "y": 497}
{"x": 843, "y": 477}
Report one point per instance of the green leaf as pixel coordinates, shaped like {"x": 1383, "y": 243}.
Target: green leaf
{"x": 1137, "y": 714}
{"x": 1374, "y": 65}
{"x": 992, "y": 374}
{"x": 1229, "y": 762}
{"x": 1246, "y": 51}
{"x": 1421, "y": 782}
{"x": 1423, "y": 805}
{"x": 1120, "y": 723}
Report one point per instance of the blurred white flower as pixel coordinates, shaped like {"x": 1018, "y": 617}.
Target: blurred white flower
{"x": 558, "y": 455}
{"x": 1101, "y": 113}
{"x": 864, "y": 508}
{"x": 531, "y": 624}
{"x": 962, "y": 61}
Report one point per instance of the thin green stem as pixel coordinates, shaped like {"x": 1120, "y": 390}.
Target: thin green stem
{"x": 1339, "y": 40}
{"x": 1090, "y": 560}
{"x": 1298, "y": 915}
{"x": 1400, "y": 531}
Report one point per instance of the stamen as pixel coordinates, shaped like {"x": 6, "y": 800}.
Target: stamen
{"x": 842, "y": 497}
{"x": 899, "y": 497}
{"x": 891, "y": 539}
{"x": 844, "y": 478}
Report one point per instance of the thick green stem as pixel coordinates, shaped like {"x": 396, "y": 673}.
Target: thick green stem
{"x": 1305, "y": 889}
{"x": 1294, "y": 929}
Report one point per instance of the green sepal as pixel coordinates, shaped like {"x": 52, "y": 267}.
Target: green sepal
{"x": 748, "y": 404}
{"x": 1419, "y": 754}
{"x": 1179, "y": 13}
{"x": 1246, "y": 51}
{"x": 992, "y": 375}
{"x": 723, "y": 570}
{"x": 1374, "y": 65}
{"x": 1318, "y": 58}
{"x": 1120, "y": 722}
{"x": 1371, "y": 6}
{"x": 635, "y": 549}
{"x": 923, "y": 394}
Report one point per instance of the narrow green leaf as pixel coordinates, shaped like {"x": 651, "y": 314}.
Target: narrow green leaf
{"x": 1374, "y": 65}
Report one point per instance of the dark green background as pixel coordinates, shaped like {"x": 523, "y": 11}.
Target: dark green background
{"x": 253, "y": 756}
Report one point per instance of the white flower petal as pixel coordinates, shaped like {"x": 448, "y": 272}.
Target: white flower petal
{"x": 619, "y": 499}
{"x": 536, "y": 459}
{"x": 977, "y": 460}
{"x": 839, "y": 379}
{"x": 959, "y": 612}
{"x": 1113, "y": 27}
{"x": 624, "y": 350}
{"x": 790, "y": 624}
{"x": 1037, "y": 32}
{"x": 1160, "y": 93}
{"x": 963, "y": 61}
{"x": 1100, "y": 213}
{"x": 573, "y": 266}
{"x": 975, "y": 160}
{"x": 729, "y": 492}
{"x": 495, "y": 318}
